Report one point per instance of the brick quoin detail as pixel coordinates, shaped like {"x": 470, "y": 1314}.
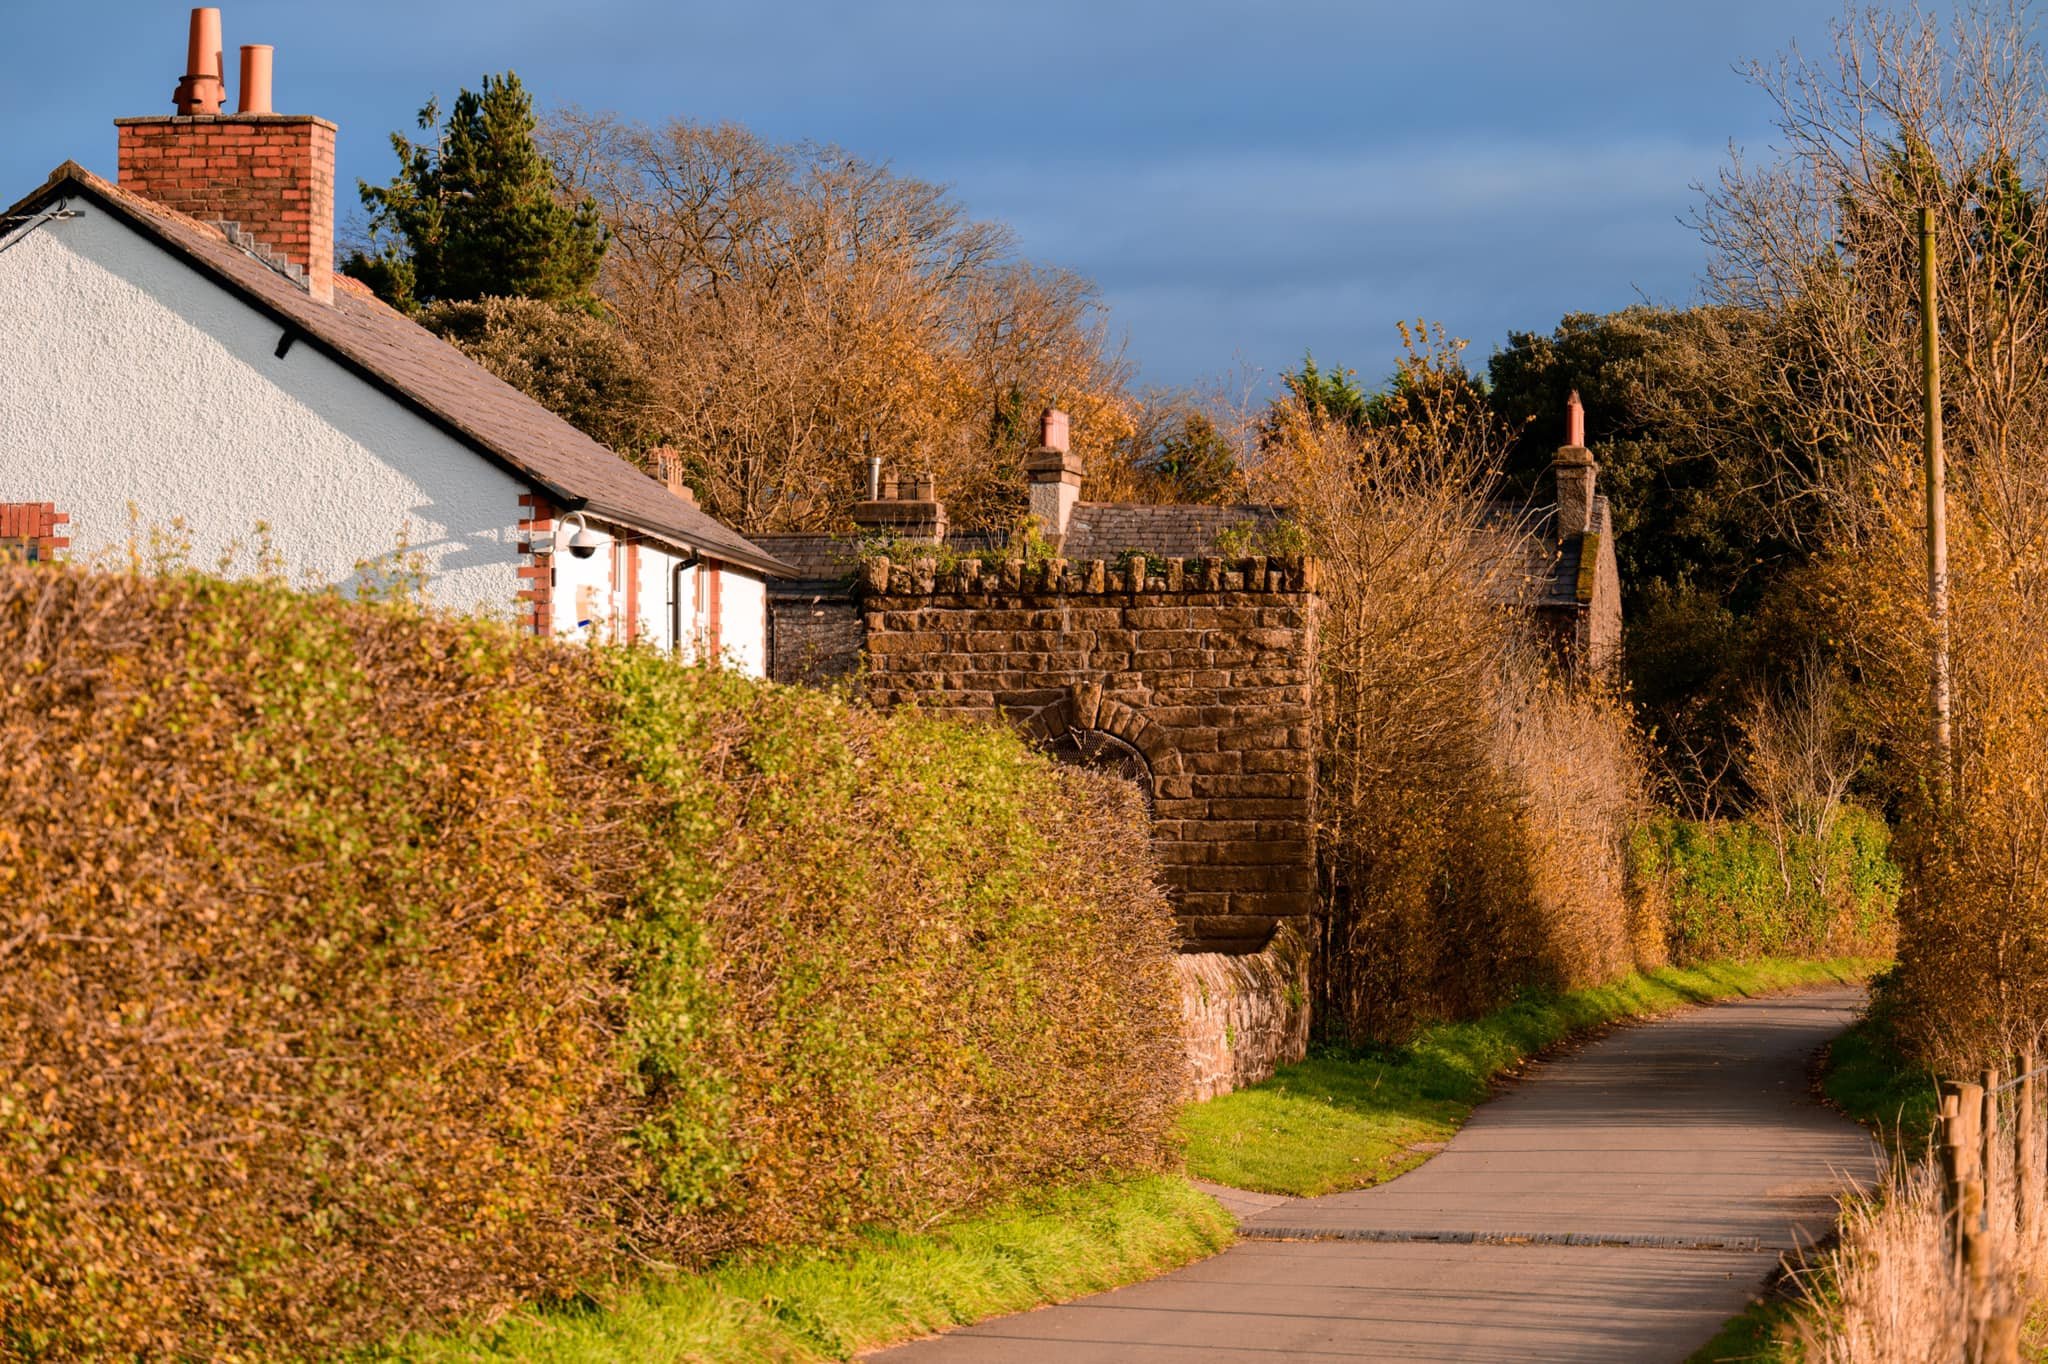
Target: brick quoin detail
{"x": 32, "y": 530}
{"x": 710, "y": 574}
{"x": 1203, "y": 666}
{"x": 270, "y": 174}
{"x": 537, "y": 596}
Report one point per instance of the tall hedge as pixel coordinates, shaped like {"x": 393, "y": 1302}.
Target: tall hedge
{"x": 1729, "y": 888}
{"x": 365, "y": 967}
{"x": 924, "y": 967}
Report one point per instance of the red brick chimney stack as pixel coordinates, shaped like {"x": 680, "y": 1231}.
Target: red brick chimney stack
{"x": 267, "y": 178}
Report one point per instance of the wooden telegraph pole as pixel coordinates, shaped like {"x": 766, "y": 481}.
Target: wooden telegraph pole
{"x": 1937, "y": 498}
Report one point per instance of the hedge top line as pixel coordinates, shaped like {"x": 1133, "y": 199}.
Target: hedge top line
{"x": 1131, "y": 573}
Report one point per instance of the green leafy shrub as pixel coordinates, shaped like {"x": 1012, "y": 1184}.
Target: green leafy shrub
{"x": 896, "y": 966}
{"x": 1729, "y": 888}
{"x": 366, "y": 967}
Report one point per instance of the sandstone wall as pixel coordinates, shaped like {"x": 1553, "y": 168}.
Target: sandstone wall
{"x": 1244, "y": 1016}
{"x": 813, "y": 637}
{"x": 1196, "y": 675}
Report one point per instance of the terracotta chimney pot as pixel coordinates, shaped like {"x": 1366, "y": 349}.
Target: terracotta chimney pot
{"x": 203, "y": 88}
{"x": 265, "y": 177}
{"x": 1576, "y": 474}
{"x": 1052, "y": 430}
{"x": 255, "y": 84}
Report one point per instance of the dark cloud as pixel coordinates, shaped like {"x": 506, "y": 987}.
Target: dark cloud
{"x": 1244, "y": 180}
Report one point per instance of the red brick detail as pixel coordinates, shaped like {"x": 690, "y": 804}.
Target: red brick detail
{"x": 711, "y": 573}
{"x": 29, "y": 530}
{"x": 537, "y": 577}
{"x": 272, "y": 174}
{"x": 632, "y": 547}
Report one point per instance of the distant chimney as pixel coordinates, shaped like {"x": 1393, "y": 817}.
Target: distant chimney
{"x": 668, "y": 465}
{"x": 267, "y": 179}
{"x": 1055, "y": 476}
{"x": 905, "y": 507}
{"x": 1575, "y": 472}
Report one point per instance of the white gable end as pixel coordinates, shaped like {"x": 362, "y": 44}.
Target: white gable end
{"x": 132, "y": 380}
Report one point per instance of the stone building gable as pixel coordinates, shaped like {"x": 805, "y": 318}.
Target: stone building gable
{"x": 1194, "y": 678}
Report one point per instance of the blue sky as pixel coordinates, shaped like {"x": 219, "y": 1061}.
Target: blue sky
{"x": 1245, "y": 181}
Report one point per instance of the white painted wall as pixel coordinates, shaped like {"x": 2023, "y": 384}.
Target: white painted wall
{"x": 743, "y": 620}
{"x": 661, "y": 588}
{"x": 584, "y": 605}
{"x": 591, "y": 600}
{"x": 133, "y": 381}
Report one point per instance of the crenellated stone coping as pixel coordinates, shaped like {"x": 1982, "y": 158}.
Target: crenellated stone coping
{"x": 1252, "y": 573}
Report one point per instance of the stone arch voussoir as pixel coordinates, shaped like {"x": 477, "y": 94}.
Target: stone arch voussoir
{"x": 1083, "y": 709}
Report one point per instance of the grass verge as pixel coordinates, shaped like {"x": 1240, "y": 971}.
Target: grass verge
{"x": 1762, "y": 1334}
{"x": 821, "y": 1305}
{"x": 1353, "y": 1118}
{"x": 1868, "y": 1078}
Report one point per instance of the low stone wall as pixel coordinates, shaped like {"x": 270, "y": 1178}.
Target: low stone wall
{"x": 1244, "y": 1015}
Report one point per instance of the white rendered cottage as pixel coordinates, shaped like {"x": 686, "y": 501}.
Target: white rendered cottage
{"x": 179, "y": 348}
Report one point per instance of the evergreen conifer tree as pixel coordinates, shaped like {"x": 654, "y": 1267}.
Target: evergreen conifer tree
{"x": 477, "y": 212}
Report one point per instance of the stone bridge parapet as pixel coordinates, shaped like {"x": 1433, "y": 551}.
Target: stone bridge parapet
{"x": 1192, "y": 677}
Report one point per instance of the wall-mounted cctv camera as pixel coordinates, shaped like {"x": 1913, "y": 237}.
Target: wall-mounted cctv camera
{"x": 582, "y": 541}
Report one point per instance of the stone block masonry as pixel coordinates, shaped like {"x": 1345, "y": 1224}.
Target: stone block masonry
{"x": 1194, "y": 678}
{"x": 1244, "y": 1016}
{"x": 815, "y": 637}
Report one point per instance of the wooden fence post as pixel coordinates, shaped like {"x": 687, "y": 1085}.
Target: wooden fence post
{"x": 1976, "y": 1245}
{"x": 2027, "y": 1150}
{"x": 1969, "y": 1114}
{"x": 1987, "y": 1136}
{"x": 1995, "y": 1340}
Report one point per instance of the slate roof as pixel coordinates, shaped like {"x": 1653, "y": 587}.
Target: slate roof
{"x": 1104, "y": 530}
{"x": 815, "y": 558}
{"x": 1547, "y": 573}
{"x": 425, "y": 373}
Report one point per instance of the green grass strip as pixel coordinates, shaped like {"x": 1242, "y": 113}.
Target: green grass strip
{"x": 889, "y": 1287}
{"x": 1350, "y": 1119}
{"x": 1762, "y": 1334}
{"x": 1869, "y": 1078}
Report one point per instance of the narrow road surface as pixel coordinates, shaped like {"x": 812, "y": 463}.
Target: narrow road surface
{"x": 1618, "y": 1204}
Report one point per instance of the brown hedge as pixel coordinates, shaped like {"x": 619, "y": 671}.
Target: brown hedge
{"x": 367, "y": 967}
